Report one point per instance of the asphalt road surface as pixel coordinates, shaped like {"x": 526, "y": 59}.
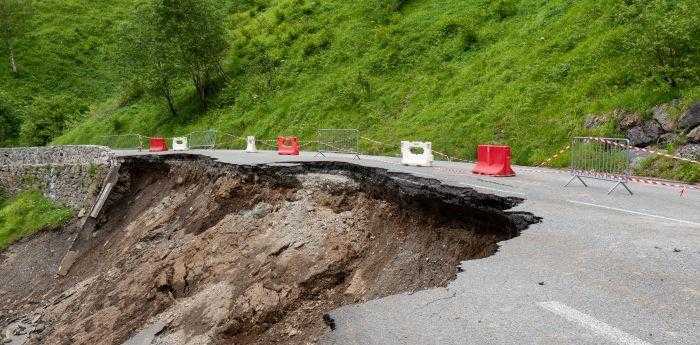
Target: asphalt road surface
{"x": 599, "y": 269}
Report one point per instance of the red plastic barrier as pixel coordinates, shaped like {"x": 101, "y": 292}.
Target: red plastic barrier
{"x": 157, "y": 144}
{"x": 493, "y": 160}
{"x": 288, "y": 145}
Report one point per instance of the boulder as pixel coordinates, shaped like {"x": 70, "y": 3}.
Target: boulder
{"x": 661, "y": 115}
{"x": 627, "y": 119}
{"x": 671, "y": 137}
{"x": 594, "y": 121}
{"x": 694, "y": 135}
{"x": 690, "y": 151}
{"x": 644, "y": 134}
{"x": 691, "y": 117}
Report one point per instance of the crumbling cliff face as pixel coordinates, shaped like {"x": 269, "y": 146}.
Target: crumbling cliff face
{"x": 191, "y": 251}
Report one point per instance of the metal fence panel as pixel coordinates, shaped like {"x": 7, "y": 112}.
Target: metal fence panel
{"x": 202, "y": 139}
{"x": 124, "y": 141}
{"x": 601, "y": 158}
{"x": 334, "y": 140}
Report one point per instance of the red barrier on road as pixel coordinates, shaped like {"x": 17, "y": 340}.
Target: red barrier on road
{"x": 493, "y": 160}
{"x": 157, "y": 144}
{"x": 288, "y": 145}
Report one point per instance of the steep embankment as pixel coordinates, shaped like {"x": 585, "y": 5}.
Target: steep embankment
{"x": 195, "y": 251}
{"x": 457, "y": 73}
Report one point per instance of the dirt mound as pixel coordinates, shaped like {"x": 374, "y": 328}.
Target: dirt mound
{"x": 190, "y": 251}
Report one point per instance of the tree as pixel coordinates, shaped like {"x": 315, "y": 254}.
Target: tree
{"x": 170, "y": 40}
{"x": 146, "y": 55}
{"x": 196, "y": 31}
{"x": 14, "y": 23}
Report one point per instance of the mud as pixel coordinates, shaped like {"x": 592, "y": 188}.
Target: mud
{"x": 191, "y": 251}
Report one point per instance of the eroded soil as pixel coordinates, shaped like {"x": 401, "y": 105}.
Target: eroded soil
{"x": 190, "y": 251}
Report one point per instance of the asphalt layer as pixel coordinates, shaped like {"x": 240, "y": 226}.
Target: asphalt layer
{"x": 599, "y": 269}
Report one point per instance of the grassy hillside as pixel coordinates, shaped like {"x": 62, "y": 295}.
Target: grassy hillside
{"x": 457, "y": 73}
{"x": 27, "y": 213}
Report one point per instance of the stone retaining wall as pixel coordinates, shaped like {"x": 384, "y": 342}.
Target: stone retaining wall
{"x": 69, "y": 154}
{"x": 72, "y": 175}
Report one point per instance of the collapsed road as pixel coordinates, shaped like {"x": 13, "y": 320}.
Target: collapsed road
{"x": 189, "y": 250}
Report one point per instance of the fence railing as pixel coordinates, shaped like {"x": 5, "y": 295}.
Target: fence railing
{"x": 336, "y": 140}
{"x": 124, "y": 141}
{"x": 606, "y": 159}
{"x": 202, "y": 139}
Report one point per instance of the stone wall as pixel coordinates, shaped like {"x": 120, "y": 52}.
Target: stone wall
{"x": 71, "y": 175}
{"x": 69, "y": 154}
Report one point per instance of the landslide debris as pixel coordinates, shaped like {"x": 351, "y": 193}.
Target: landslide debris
{"x": 191, "y": 251}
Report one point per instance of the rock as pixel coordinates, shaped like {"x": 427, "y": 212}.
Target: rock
{"x": 260, "y": 210}
{"x": 627, "y": 119}
{"x": 39, "y": 328}
{"x": 671, "y": 137}
{"x": 691, "y": 117}
{"x": 329, "y": 321}
{"x": 690, "y": 151}
{"x": 594, "y": 121}
{"x": 663, "y": 118}
{"x": 644, "y": 134}
{"x": 81, "y": 213}
{"x": 694, "y": 135}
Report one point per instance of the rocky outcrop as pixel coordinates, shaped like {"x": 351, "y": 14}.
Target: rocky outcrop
{"x": 645, "y": 134}
{"x": 626, "y": 119}
{"x": 661, "y": 128}
{"x": 661, "y": 115}
{"x": 691, "y": 118}
{"x": 694, "y": 135}
{"x": 690, "y": 151}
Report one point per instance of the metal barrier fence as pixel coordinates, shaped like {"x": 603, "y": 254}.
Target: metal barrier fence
{"x": 334, "y": 140}
{"x": 124, "y": 141}
{"x": 202, "y": 139}
{"x": 602, "y": 159}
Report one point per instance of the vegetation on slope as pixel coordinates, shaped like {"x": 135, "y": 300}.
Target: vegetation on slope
{"x": 27, "y": 213}
{"x": 457, "y": 73}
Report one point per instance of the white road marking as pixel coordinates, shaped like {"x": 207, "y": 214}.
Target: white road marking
{"x": 489, "y": 188}
{"x": 634, "y": 212}
{"x": 599, "y": 327}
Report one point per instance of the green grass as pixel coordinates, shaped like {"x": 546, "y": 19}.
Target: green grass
{"x": 457, "y": 73}
{"x": 27, "y": 213}
{"x": 669, "y": 169}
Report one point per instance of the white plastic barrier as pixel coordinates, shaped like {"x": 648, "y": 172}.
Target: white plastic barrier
{"x": 424, "y": 159}
{"x": 180, "y": 144}
{"x": 250, "y": 144}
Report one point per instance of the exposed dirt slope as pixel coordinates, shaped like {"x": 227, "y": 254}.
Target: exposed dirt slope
{"x": 190, "y": 251}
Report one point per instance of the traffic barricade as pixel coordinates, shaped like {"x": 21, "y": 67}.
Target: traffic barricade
{"x": 493, "y": 160}
{"x": 157, "y": 144}
{"x": 250, "y": 144}
{"x": 288, "y": 145}
{"x": 180, "y": 144}
{"x": 422, "y": 159}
